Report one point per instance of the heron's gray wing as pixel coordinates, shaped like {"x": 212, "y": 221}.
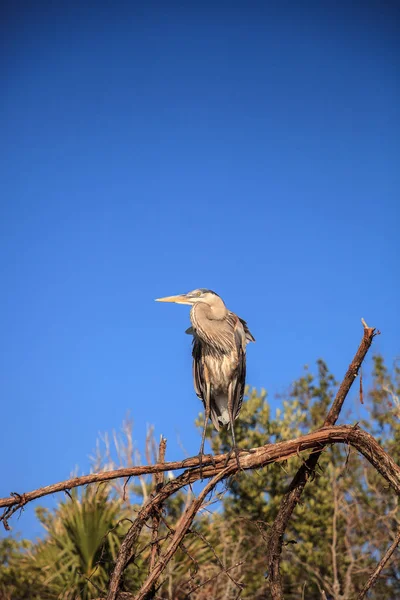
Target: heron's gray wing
{"x": 249, "y": 336}
{"x": 240, "y": 379}
{"x": 198, "y": 369}
{"x": 190, "y": 331}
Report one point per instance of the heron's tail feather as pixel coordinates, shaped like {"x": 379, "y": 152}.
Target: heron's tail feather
{"x": 219, "y": 411}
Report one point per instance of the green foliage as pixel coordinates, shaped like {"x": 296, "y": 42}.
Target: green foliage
{"x": 17, "y": 582}
{"x": 81, "y": 542}
{"x": 74, "y": 560}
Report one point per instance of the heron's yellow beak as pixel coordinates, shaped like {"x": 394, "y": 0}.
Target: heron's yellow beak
{"x": 180, "y": 299}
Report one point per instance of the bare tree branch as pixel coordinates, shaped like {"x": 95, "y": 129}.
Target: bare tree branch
{"x": 374, "y": 576}
{"x": 292, "y": 497}
{"x": 180, "y": 532}
{"x": 256, "y": 458}
{"x": 158, "y": 480}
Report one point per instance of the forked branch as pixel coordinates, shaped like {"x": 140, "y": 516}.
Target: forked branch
{"x": 292, "y": 497}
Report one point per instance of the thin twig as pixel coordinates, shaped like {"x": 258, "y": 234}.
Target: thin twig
{"x": 182, "y": 546}
{"x": 219, "y": 561}
{"x": 374, "y": 576}
{"x": 225, "y": 572}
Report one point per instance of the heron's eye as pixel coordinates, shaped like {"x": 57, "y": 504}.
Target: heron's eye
{"x": 198, "y": 294}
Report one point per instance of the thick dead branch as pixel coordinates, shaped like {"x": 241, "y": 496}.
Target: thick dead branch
{"x": 291, "y": 499}
{"x": 374, "y": 576}
{"x": 256, "y": 458}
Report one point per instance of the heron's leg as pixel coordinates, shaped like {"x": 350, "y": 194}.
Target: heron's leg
{"x": 235, "y": 449}
{"x": 206, "y": 415}
{"x": 207, "y": 412}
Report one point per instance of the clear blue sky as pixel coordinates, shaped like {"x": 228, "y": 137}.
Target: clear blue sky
{"x": 151, "y": 148}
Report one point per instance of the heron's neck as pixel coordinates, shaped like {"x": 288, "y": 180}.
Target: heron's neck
{"x": 217, "y": 312}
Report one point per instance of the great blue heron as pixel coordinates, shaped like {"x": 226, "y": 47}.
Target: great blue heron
{"x": 219, "y": 357}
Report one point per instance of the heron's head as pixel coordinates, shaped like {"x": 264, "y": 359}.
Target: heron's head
{"x": 200, "y": 295}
